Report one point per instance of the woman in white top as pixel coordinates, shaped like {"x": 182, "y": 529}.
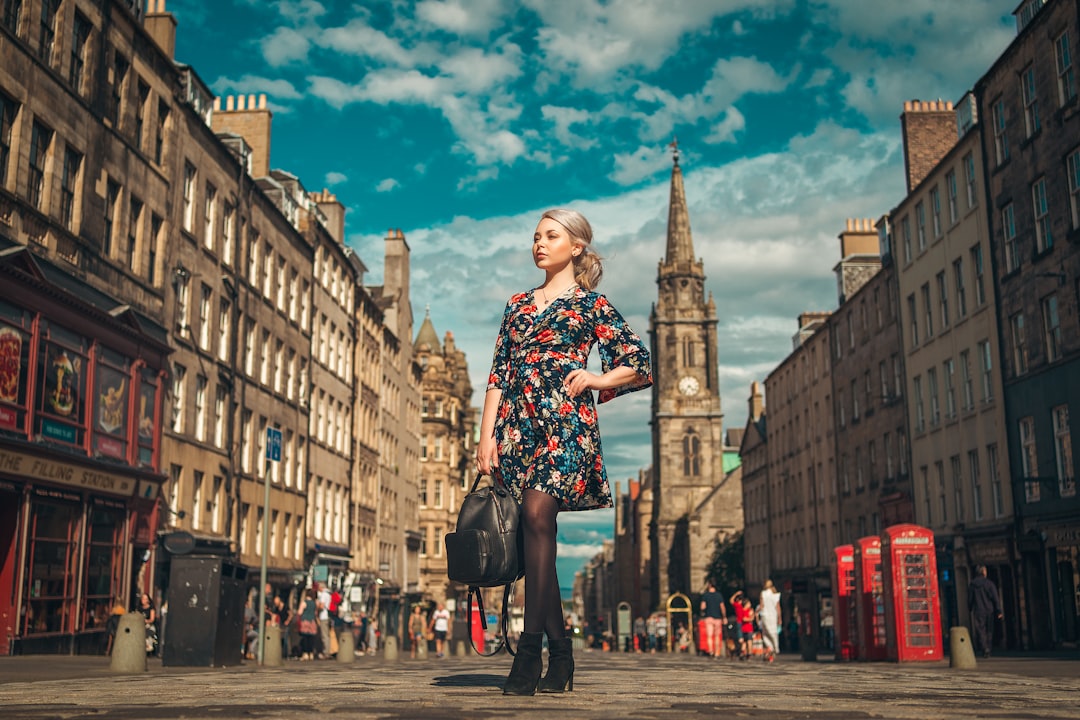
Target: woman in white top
{"x": 769, "y": 619}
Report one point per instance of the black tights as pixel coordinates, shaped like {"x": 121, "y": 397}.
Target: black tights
{"x": 543, "y": 601}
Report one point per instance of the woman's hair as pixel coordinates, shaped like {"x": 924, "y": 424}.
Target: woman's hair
{"x": 588, "y": 268}
{"x": 769, "y": 585}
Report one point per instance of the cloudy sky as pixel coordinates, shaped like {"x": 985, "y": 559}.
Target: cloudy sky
{"x": 460, "y": 121}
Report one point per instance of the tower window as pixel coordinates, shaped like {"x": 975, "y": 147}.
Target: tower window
{"x": 691, "y": 455}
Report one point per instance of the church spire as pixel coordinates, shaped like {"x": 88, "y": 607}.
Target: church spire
{"x": 680, "y": 243}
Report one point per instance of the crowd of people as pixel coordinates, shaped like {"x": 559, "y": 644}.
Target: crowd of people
{"x": 312, "y": 629}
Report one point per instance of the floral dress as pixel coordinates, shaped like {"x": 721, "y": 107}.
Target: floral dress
{"x": 546, "y": 439}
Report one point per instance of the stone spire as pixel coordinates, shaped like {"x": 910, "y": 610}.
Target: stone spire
{"x": 680, "y": 243}
{"x": 427, "y": 335}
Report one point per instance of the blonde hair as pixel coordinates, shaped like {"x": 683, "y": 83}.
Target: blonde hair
{"x": 769, "y": 585}
{"x": 588, "y": 266}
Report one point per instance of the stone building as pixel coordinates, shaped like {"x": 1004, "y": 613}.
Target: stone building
{"x": 446, "y": 445}
{"x": 364, "y": 498}
{"x": 758, "y": 552}
{"x": 1030, "y": 140}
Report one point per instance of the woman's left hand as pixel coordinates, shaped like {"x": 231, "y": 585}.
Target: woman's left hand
{"x": 578, "y": 381}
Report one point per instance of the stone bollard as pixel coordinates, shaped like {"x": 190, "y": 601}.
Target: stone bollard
{"x": 461, "y": 648}
{"x": 272, "y": 646}
{"x": 129, "y": 647}
{"x": 390, "y": 648}
{"x": 346, "y": 650}
{"x": 961, "y": 654}
{"x": 421, "y": 649}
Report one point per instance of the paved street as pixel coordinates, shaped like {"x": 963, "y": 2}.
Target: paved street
{"x": 607, "y": 686}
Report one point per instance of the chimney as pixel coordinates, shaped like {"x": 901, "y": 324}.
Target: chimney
{"x": 334, "y": 212}
{"x": 860, "y": 257}
{"x": 250, "y": 120}
{"x": 929, "y": 133}
{"x": 757, "y": 401}
{"x": 161, "y": 26}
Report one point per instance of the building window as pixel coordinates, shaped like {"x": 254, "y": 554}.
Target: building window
{"x": 943, "y": 505}
{"x": 976, "y": 484}
{"x": 189, "y": 196}
{"x": 112, "y": 197}
{"x": 887, "y": 444}
{"x": 209, "y": 212}
{"x": 1073, "y": 167}
{"x": 156, "y": 224}
{"x": 928, "y": 311}
{"x": 204, "y": 316}
{"x": 954, "y": 208}
{"x": 898, "y": 376}
{"x": 134, "y": 221}
{"x": 920, "y": 410}
{"x": 1051, "y": 328}
{"x": 920, "y": 225}
{"x": 1001, "y": 136}
{"x": 438, "y": 493}
{"x": 883, "y": 372}
{"x": 249, "y": 348}
{"x": 854, "y": 401}
{"x": 1063, "y": 451}
{"x": 200, "y": 408}
{"x": 958, "y": 281}
{"x": 159, "y": 132}
{"x": 119, "y": 71}
{"x": 80, "y": 33}
{"x": 1044, "y": 240}
{"x": 905, "y": 234}
{"x": 966, "y": 381}
{"x": 220, "y": 399}
{"x": 264, "y": 364}
{"x": 1063, "y": 55}
{"x": 183, "y": 303}
{"x": 8, "y": 109}
{"x": 224, "y": 328}
{"x": 142, "y": 92}
{"x": 935, "y": 209}
{"x": 902, "y": 449}
{"x": 179, "y": 373}
{"x": 840, "y": 409}
{"x": 47, "y": 38}
{"x": 943, "y": 298}
{"x": 1029, "y": 461}
{"x": 913, "y": 314}
{"x": 949, "y": 372}
{"x": 691, "y": 455}
{"x": 72, "y": 165}
{"x": 995, "y": 480}
{"x": 227, "y": 231}
{"x": 958, "y": 487}
{"x": 850, "y": 331}
{"x": 969, "y": 179}
{"x": 12, "y": 10}
{"x": 245, "y": 441}
{"x": 1019, "y": 346}
{"x": 1031, "y": 100}
{"x": 40, "y": 140}
{"x": 932, "y": 387}
{"x": 980, "y": 274}
{"x": 1012, "y": 247}
{"x": 987, "y": 369}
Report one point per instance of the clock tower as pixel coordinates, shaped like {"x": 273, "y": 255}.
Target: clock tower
{"x": 687, "y": 423}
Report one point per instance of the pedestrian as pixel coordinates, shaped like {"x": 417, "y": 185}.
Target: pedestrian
{"x": 715, "y": 614}
{"x": 650, "y": 632}
{"x": 661, "y": 632}
{"x": 744, "y": 623}
{"x": 113, "y": 624}
{"x": 149, "y": 613}
{"x": 639, "y": 634}
{"x": 440, "y": 625}
{"x": 985, "y": 606}
{"x": 322, "y": 604}
{"x": 538, "y": 431}
{"x": 309, "y": 624}
{"x": 769, "y": 619}
{"x": 417, "y": 625}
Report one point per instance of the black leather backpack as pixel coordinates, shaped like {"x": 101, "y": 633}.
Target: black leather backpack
{"x": 485, "y": 549}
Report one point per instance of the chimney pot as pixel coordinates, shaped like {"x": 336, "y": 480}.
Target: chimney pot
{"x": 262, "y": 101}
{"x": 251, "y": 101}
{"x": 230, "y": 103}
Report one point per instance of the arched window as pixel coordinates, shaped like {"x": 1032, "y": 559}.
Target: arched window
{"x": 691, "y": 454}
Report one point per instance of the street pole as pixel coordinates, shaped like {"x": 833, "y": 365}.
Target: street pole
{"x": 265, "y": 548}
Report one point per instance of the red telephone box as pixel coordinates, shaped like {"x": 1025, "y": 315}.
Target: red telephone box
{"x": 843, "y": 582}
{"x": 912, "y": 606}
{"x": 869, "y": 600}
{"x": 477, "y": 628}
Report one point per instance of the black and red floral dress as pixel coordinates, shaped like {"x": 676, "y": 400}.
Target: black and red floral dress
{"x": 546, "y": 439}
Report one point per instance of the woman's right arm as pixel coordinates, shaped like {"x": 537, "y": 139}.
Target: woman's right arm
{"x": 487, "y": 450}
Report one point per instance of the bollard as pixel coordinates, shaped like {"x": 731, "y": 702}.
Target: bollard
{"x": 272, "y": 646}
{"x": 346, "y": 650}
{"x": 460, "y": 648}
{"x": 129, "y": 648}
{"x": 421, "y": 649}
{"x": 961, "y": 654}
{"x": 390, "y": 648}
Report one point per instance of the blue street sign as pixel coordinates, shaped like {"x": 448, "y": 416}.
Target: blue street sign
{"x": 273, "y": 444}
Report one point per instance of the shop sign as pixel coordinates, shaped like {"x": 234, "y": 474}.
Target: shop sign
{"x": 36, "y": 468}
{"x": 8, "y": 418}
{"x": 1063, "y": 536}
{"x": 58, "y": 431}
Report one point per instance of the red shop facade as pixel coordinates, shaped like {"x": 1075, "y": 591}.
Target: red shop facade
{"x": 81, "y": 391}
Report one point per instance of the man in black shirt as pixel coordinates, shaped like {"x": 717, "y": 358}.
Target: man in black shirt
{"x": 985, "y": 606}
{"x": 715, "y": 614}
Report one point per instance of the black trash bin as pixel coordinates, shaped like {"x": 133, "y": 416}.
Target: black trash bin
{"x": 205, "y": 622}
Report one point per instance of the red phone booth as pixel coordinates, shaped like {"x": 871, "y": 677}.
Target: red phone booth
{"x": 912, "y": 606}
{"x": 843, "y": 582}
{"x": 869, "y": 600}
{"x": 477, "y": 627}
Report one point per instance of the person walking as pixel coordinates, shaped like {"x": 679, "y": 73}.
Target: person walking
{"x": 417, "y": 630}
{"x": 985, "y": 605}
{"x": 769, "y": 619}
{"x": 440, "y": 625}
{"x": 309, "y": 624}
{"x": 538, "y": 432}
{"x": 715, "y": 614}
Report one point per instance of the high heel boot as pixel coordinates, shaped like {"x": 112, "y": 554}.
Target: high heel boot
{"x": 560, "y": 674}
{"x": 525, "y": 673}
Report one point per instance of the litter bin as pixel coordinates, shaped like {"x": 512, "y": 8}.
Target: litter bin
{"x": 206, "y": 612}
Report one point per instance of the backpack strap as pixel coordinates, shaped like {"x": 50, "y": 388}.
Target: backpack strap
{"x": 504, "y": 620}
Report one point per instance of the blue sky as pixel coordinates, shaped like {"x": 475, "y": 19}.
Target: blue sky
{"x": 460, "y": 121}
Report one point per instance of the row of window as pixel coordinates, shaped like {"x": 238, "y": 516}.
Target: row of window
{"x": 967, "y": 164}
{"x": 881, "y": 312}
{"x": 329, "y": 510}
{"x": 890, "y": 385}
{"x": 334, "y": 278}
{"x": 896, "y": 454}
{"x": 937, "y": 500}
{"x": 1063, "y": 457}
{"x": 1040, "y": 212}
{"x": 965, "y": 386}
{"x": 951, "y": 305}
{"x": 1051, "y": 335}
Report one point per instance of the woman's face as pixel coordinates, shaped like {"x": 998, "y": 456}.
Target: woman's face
{"x": 553, "y": 247}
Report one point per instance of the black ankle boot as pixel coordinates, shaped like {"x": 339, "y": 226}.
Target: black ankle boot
{"x": 560, "y": 674}
{"x": 525, "y": 674}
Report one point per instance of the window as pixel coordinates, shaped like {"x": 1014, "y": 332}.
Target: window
{"x": 253, "y": 259}
{"x": 438, "y": 493}
{"x": 1019, "y": 347}
{"x": 159, "y": 132}
{"x": 40, "y": 140}
{"x": 928, "y": 311}
{"x": 854, "y": 401}
{"x": 8, "y": 109}
{"x": 1073, "y": 168}
{"x": 958, "y": 281}
{"x": 134, "y": 222}
{"x": 183, "y": 303}
{"x": 883, "y": 374}
{"x": 205, "y": 297}
{"x": 72, "y": 164}
{"x": 12, "y": 9}
{"x": 209, "y": 211}
{"x": 1001, "y": 135}
{"x": 220, "y": 403}
{"x": 987, "y": 363}
{"x": 1012, "y": 247}
{"x": 958, "y": 486}
{"x": 949, "y": 372}
{"x": 1044, "y": 240}
{"x": 969, "y": 180}
{"x": 1031, "y": 100}
{"x": 1063, "y": 55}
{"x": 279, "y": 364}
{"x": 156, "y": 224}
{"x": 935, "y": 209}
{"x": 227, "y": 231}
{"x": 920, "y": 410}
{"x": 898, "y": 376}
{"x": 980, "y": 275}
{"x": 1063, "y": 451}
{"x": 1051, "y": 328}
{"x": 200, "y": 408}
{"x": 887, "y": 444}
{"x": 995, "y": 480}
{"x": 939, "y": 468}
{"x": 943, "y": 298}
{"x": 932, "y": 387}
{"x": 268, "y": 272}
{"x": 905, "y": 233}
{"x": 119, "y": 75}
{"x": 914, "y": 316}
{"x": 903, "y": 452}
{"x": 859, "y": 485}
{"x": 1029, "y": 460}
{"x": 249, "y": 348}
{"x": 841, "y": 410}
{"x": 976, "y": 484}
{"x": 954, "y": 208}
{"x": 966, "y": 382}
{"x": 80, "y": 33}
{"x": 112, "y": 197}
{"x": 179, "y": 373}
{"x": 920, "y": 225}
{"x": 246, "y": 441}
{"x": 692, "y": 455}
{"x": 264, "y": 365}
{"x": 189, "y": 196}
{"x": 850, "y": 331}
{"x": 47, "y": 38}
{"x": 142, "y": 92}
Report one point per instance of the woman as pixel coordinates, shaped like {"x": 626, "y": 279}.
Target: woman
{"x": 417, "y": 629}
{"x": 538, "y": 432}
{"x": 769, "y": 619}
{"x": 309, "y": 625}
{"x": 149, "y": 613}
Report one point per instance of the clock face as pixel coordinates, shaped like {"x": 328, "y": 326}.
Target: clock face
{"x": 689, "y": 386}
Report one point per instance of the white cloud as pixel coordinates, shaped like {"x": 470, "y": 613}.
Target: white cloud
{"x": 275, "y": 88}
{"x": 285, "y": 45}
{"x": 568, "y": 550}
{"x": 335, "y": 178}
{"x": 630, "y": 168}
{"x": 725, "y": 130}
{"x": 462, "y": 17}
{"x": 387, "y": 185}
